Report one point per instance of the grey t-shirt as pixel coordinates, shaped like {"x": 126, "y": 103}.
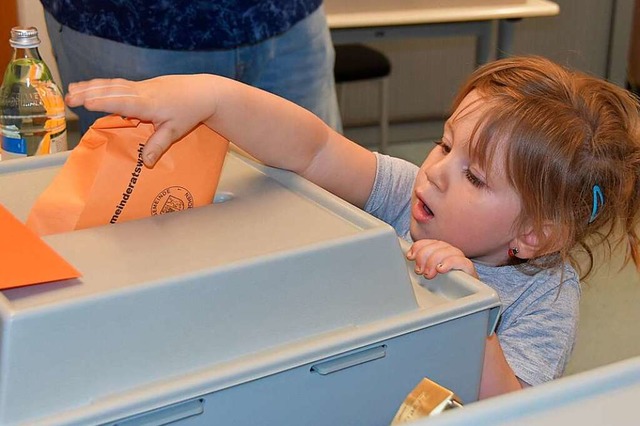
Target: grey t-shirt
{"x": 537, "y": 326}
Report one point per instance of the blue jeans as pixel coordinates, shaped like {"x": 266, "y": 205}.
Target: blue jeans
{"x": 297, "y": 65}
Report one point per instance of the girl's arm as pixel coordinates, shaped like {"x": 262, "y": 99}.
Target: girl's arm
{"x": 273, "y": 130}
{"x": 497, "y": 375}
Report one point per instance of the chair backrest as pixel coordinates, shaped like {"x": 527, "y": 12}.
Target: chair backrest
{"x": 356, "y": 62}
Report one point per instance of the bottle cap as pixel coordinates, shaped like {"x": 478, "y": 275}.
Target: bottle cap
{"x": 24, "y": 37}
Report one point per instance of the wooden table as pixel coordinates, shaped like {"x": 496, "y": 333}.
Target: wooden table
{"x": 358, "y": 21}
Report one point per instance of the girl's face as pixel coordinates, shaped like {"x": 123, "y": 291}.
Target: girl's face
{"x": 455, "y": 201}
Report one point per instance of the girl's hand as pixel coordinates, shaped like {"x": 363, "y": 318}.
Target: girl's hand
{"x": 435, "y": 257}
{"x": 174, "y": 104}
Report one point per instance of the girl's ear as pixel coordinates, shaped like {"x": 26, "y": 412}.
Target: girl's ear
{"x": 529, "y": 243}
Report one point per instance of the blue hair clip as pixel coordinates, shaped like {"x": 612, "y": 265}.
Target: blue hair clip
{"x": 598, "y": 201}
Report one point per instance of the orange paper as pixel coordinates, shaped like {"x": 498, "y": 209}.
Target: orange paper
{"x": 104, "y": 180}
{"x": 26, "y": 259}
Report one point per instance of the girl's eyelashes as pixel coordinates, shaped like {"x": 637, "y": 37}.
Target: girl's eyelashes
{"x": 475, "y": 180}
{"x": 446, "y": 148}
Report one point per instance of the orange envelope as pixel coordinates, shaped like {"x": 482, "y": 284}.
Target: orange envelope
{"x": 104, "y": 180}
{"x": 26, "y": 259}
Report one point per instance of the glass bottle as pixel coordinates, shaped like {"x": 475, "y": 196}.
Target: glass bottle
{"x": 32, "y": 114}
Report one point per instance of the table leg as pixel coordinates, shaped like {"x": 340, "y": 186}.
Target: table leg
{"x": 483, "y": 34}
{"x": 506, "y": 29}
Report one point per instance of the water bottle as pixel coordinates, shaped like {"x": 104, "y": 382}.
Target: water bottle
{"x": 32, "y": 115}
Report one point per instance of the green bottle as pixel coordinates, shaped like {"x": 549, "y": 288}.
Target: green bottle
{"x": 32, "y": 114}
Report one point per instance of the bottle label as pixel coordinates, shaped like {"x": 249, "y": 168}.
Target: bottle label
{"x": 17, "y": 147}
{"x": 13, "y": 147}
{"x": 58, "y": 142}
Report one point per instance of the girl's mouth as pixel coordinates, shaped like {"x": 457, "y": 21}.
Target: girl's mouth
{"x": 421, "y": 212}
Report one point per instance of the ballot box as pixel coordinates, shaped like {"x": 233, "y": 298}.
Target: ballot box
{"x": 276, "y": 304}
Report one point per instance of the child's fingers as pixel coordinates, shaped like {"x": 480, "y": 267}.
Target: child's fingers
{"x": 417, "y": 247}
{"x": 427, "y": 254}
{"x": 159, "y": 142}
{"x": 459, "y": 263}
{"x": 98, "y": 84}
{"x": 433, "y": 257}
{"x": 127, "y": 105}
{"x": 81, "y": 91}
{"x": 113, "y": 96}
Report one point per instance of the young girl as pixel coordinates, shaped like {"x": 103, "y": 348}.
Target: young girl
{"x": 536, "y": 164}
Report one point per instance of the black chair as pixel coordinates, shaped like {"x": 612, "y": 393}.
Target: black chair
{"x": 357, "y": 62}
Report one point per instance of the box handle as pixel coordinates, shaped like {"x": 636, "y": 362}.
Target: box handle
{"x": 164, "y": 415}
{"x": 350, "y": 360}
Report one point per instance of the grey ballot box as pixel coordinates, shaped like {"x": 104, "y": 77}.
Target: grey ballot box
{"x": 277, "y": 304}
